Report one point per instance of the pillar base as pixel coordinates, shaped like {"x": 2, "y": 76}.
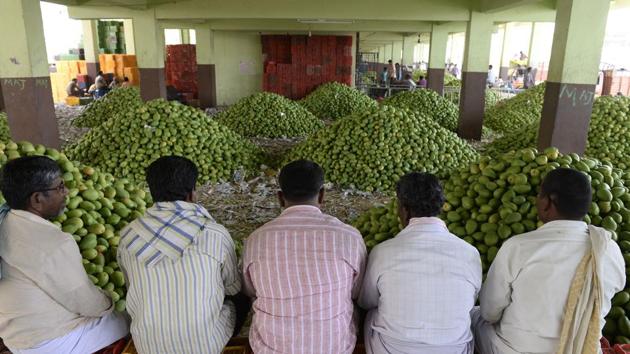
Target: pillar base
{"x": 566, "y": 116}
{"x": 29, "y": 104}
{"x": 504, "y": 72}
{"x": 152, "y": 83}
{"x": 92, "y": 71}
{"x": 207, "y": 85}
{"x": 472, "y": 104}
{"x": 435, "y": 80}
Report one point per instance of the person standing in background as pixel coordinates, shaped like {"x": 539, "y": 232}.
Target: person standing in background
{"x": 391, "y": 71}
{"x": 491, "y": 77}
{"x": 529, "y": 80}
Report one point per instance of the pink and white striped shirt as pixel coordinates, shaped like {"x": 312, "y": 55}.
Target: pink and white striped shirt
{"x": 303, "y": 268}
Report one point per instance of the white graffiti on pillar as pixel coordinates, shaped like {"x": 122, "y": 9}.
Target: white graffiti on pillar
{"x": 577, "y": 96}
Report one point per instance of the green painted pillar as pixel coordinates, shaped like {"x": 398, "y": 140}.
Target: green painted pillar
{"x": 206, "y": 73}
{"x": 573, "y": 69}
{"x": 505, "y": 56}
{"x": 149, "y": 39}
{"x": 381, "y": 55}
{"x": 91, "y": 48}
{"x": 130, "y": 45}
{"x": 437, "y": 58}
{"x": 474, "y": 75}
{"x": 409, "y": 45}
{"x": 397, "y": 51}
{"x": 185, "y": 35}
{"x": 24, "y": 77}
{"x": 389, "y": 52}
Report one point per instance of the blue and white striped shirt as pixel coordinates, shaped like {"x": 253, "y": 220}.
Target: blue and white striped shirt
{"x": 179, "y": 265}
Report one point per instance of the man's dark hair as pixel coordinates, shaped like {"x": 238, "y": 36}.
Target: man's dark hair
{"x": 420, "y": 194}
{"x": 301, "y": 180}
{"x": 22, "y": 177}
{"x": 421, "y": 77}
{"x": 171, "y": 178}
{"x": 490, "y": 67}
{"x": 389, "y": 61}
{"x": 100, "y": 73}
{"x": 569, "y": 190}
{"x": 125, "y": 79}
{"x": 74, "y": 79}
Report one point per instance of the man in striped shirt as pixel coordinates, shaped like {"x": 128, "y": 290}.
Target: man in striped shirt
{"x": 304, "y": 269}
{"x": 180, "y": 266}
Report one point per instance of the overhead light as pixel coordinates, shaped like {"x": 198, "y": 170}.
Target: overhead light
{"x": 324, "y": 21}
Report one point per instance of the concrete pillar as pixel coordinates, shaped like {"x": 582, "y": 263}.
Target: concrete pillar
{"x": 91, "y": 48}
{"x": 130, "y": 45}
{"x": 531, "y": 44}
{"x": 397, "y": 51}
{"x": 149, "y": 39}
{"x": 409, "y": 45}
{"x": 437, "y": 59}
{"x": 24, "y": 77}
{"x": 573, "y": 74}
{"x": 381, "y": 54}
{"x": 504, "y": 68}
{"x": 206, "y": 74}
{"x": 185, "y": 35}
{"x": 474, "y": 75}
{"x": 389, "y": 53}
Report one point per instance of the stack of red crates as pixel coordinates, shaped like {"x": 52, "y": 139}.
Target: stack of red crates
{"x": 295, "y": 65}
{"x": 181, "y": 68}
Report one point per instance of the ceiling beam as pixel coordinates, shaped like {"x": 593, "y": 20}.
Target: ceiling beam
{"x": 503, "y": 5}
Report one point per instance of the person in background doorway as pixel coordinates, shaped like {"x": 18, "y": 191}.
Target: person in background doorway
{"x": 455, "y": 71}
{"x": 398, "y": 72}
{"x": 409, "y": 82}
{"x": 176, "y": 251}
{"x": 529, "y": 80}
{"x": 47, "y": 302}
{"x": 303, "y": 269}
{"x": 422, "y": 82}
{"x": 420, "y": 286}
{"x": 99, "y": 81}
{"x": 126, "y": 82}
{"x": 491, "y": 77}
{"x": 522, "y": 56}
{"x": 101, "y": 86}
{"x": 385, "y": 76}
{"x": 547, "y": 291}
{"x": 619, "y": 94}
{"x": 391, "y": 71}
{"x": 114, "y": 84}
{"x": 73, "y": 89}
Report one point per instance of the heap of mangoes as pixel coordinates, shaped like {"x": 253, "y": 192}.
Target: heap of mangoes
{"x": 126, "y": 144}
{"x": 269, "y": 115}
{"x": 370, "y": 150}
{"x": 116, "y": 102}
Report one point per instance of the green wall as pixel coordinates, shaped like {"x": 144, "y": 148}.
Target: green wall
{"x": 239, "y": 65}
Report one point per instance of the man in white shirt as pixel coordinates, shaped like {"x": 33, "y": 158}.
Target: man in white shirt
{"x": 524, "y": 297}
{"x": 47, "y": 302}
{"x": 420, "y": 286}
{"x": 491, "y": 77}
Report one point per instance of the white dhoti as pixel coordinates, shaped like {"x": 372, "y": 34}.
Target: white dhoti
{"x": 84, "y": 339}
{"x": 486, "y": 339}
{"x": 376, "y": 343}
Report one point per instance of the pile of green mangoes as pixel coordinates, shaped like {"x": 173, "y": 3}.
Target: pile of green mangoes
{"x": 370, "y": 150}
{"x": 126, "y": 144}
{"x": 495, "y": 198}
{"x": 429, "y": 103}
{"x": 269, "y": 115}
{"x": 98, "y": 207}
{"x": 334, "y": 100}
{"x": 116, "y": 102}
{"x": 5, "y": 134}
{"x": 525, "y": 137}
{"x": 517, "y": 112}
{"x": 609, "y": 131}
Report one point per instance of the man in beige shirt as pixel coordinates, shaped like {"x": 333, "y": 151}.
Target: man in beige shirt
{"x": 47, "y": 302}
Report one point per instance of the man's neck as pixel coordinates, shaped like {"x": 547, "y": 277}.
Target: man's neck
{"x": 35, "y": 212}
{"x": 289, "y": 204}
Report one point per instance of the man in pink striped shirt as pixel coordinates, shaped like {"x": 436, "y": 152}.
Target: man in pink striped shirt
{"x": 303, "y": 269}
